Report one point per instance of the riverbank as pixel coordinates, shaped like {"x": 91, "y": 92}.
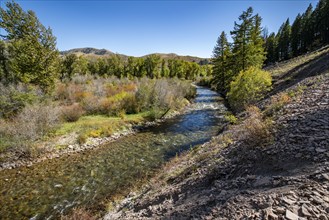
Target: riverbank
{"x": 271, "y": 164}
{"x": 68, "y": 143}
{"x": 81, "y": 114}
{"x": 91, "y": 178}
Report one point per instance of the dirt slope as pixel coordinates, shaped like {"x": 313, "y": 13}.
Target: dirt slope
{"x": 286, "y": 177}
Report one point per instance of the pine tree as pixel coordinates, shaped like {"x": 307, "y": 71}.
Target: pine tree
{"x": 33, "y": 57}
{"x": 307, "y": 29}
{"x": 321, "y": 25}
{"x": 4, "y": 73}
{"x": 241, "y": 36}
{"x": 248, "y": 45}
{"x": 284, "y": 40}
{"x": 221, "y": 69}
{"x": 271, "y": 46}
{"x": 256, "y": 53}
{"x": 296, "y": 36}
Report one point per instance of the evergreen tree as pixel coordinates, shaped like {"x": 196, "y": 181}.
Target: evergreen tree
{"x": 271, "y": 46}
{"x": 256, "y": 51}
{"x": 221, "y": 68}
{"x": 248, "y": 45}
{"x": 4, "y": 73}
{"x": 284, "y": 40}
{"x": 241, "y": 36}
{"x": 296, "y": 36}
{"x": 33, "y": 57}
{"x": 307, "y": 29}
{"x": 321, "y": 25}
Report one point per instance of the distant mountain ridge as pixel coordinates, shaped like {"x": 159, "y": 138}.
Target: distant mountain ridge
{"x": 88, "y": 50}
{"x": 94, "y": 52}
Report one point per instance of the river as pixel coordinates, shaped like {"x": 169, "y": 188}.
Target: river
{"x": 47, "y": 189}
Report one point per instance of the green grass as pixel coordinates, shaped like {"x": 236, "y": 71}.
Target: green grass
{"x": 100, "y": 125}
{"x": 5, "y": 143}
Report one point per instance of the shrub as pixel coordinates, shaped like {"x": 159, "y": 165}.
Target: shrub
{"x": 277, "y": 103}
{"x": 248, "y": 87}
{"x": 13, "y": 98}
{"x": 91, "y": 104}
{"x": 82, "y": 138}
{"x": 36, "y": 120}
{"x": 79, "y": 214}
{"x": 255, "y": 130}
{"x": 230, "y": 118}
{"x": 72, "y": 113}
{"x": 33, "y": 122}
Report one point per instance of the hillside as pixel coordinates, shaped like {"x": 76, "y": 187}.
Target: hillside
{"x": 272, "y": 164}
{"x": 95, "y": 53}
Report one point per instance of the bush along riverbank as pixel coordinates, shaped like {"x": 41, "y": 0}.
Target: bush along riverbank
{"x": 82, "y": 113}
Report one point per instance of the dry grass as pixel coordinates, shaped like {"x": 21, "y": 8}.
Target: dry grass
{"x": 255, "y": 130}
{"x": 79, "y": 214}
{"x": 286, "y": 66}
{"x": 277, "y": 103}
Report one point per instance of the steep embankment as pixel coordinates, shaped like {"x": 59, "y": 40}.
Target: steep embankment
{"x": 256, "y": 169}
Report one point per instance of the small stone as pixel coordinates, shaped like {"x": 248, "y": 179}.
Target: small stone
{"x": 317, "y": 200}
{"x": 272, "y": 216}
{"x": 304, "y": 211}
{"x": 320, "y": 150}
{"x": 291, "y": 216}
{"x": 288, "y": 201}
{"x": 299, "y": 155}
{"x": 58, "y": 186}
{"x": 223, "y": 193}
{"x": 279, "y": 210}
{"x": 325, "y": 176}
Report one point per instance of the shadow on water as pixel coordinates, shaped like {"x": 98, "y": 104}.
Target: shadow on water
{"x": 47, "y": 189}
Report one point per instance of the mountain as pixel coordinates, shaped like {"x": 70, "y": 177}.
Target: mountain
{"x": 90, "y": 52}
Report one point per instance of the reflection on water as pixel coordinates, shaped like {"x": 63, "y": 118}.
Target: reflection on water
{"x": 47, "y": 189}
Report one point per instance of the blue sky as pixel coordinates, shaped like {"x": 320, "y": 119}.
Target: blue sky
{"x": 137, "y": 28}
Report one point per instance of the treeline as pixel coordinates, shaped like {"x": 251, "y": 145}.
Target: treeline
{"x": 308, "y": 31}
{"x": 28, "y": 55}
{"x": 152, "y": 66}
{"x": 237, "y": 65}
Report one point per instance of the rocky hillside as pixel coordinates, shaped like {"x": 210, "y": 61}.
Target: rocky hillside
{"x": 95, "y": 53}
{"x": 272, "y": 164}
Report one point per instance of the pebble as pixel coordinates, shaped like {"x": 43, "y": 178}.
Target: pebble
{"x": 291, "y": 216}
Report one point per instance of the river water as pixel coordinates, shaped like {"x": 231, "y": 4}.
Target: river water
{"x": 47, "y": 189}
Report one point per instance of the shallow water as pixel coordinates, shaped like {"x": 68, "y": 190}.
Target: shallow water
{"x": 52, "y": 187}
